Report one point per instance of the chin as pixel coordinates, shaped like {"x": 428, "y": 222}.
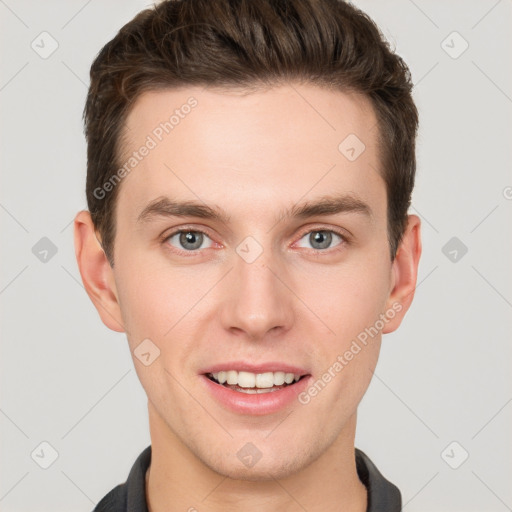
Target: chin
{"x": 243, "y": 461}
{"x": 262, "y": 471}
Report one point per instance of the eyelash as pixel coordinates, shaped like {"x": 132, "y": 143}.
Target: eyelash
{"x": 317, "y": 252}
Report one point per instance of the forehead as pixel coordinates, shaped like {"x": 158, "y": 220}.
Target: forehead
{"x": 269, "y": 146}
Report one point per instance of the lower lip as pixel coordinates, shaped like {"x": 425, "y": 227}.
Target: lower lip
{"x": 258, "y": 403}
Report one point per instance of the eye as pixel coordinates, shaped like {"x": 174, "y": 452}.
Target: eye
{"x": 188, "y": 240}
{"x": 191, "y": 240}
{"x": 321, "y": 239}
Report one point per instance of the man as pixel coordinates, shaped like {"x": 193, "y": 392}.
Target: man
{"x": 250, "y": 169}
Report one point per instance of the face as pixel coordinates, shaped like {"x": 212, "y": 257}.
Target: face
{"x": 252, "y": 243}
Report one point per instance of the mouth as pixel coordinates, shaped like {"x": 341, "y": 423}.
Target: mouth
{"x": 245, "y": 388}
{"x": 254, "y": 383}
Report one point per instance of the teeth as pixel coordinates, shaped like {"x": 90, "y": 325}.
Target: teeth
{"x": 246, "y": 379}
{"x": 232, "y": 377}
{"x": 264, "y": 380}
{"x": 254, "y": 391}
{"x": 279, "y": 378}
{"x": 288, "y": 378}
{"x": 255, "y": 380}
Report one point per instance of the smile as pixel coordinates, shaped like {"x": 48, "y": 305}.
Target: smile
{"x": 255, "y": 393}
{"x": 254, "y": 383}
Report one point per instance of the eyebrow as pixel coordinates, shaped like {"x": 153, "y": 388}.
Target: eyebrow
{"x": 327, "y": 205}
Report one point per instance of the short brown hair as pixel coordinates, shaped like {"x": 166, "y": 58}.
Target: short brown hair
{"x": 249, "y": 44}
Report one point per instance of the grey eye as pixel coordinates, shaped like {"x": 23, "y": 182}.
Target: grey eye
{"x": 188, "y": 240}
{"x": 321, "y": 239}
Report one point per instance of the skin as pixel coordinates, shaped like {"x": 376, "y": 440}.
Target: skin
{"x": 253, "y": 155}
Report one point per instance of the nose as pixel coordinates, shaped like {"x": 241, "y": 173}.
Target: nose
{"x": 258, "y": 302}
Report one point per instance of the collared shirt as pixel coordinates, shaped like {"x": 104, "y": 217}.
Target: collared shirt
{"x": 382, "y": 495}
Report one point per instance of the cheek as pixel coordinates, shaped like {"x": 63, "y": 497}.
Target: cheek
{"x": 150, "y": 297}
{"x": 154, "y": 302}
{"x": 164, "y": 303}
{"x": 157, "y": 298}
{"x": 346, "y": 299}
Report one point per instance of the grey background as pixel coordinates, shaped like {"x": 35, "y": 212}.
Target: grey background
{"x": 443, "y": 377}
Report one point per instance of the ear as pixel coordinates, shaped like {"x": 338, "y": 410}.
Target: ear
{"x": 404, "y": 274}
{"x": 97, "y": 274}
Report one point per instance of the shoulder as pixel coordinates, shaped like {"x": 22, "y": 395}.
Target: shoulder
{"x": 114, "y": 501}
{"x": 383, "y": 495}
{"x": 130, "y": 495}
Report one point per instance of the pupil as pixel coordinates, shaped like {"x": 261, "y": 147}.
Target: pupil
{"x": 323, "y": 238}
{"x": 195, "y": 239}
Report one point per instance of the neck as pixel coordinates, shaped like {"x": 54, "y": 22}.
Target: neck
{"x": 178, "y": 481}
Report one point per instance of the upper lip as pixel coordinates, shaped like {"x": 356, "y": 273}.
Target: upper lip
{"x": 241, "y": 366}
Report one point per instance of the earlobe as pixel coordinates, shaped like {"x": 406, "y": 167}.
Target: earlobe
{"x": 96, "y": 273}
{"x": 405, "y": 273}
